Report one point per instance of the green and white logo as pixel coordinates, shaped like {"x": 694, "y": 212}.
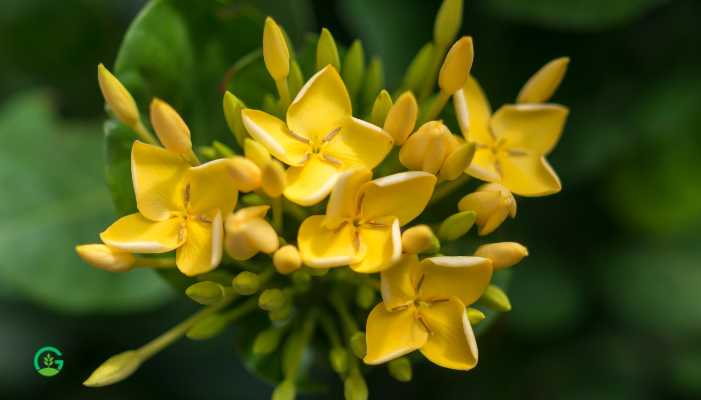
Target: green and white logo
{"x": 47, "y": 361}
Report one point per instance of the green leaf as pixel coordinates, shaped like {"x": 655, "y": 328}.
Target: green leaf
{"x": 58, "y": 200}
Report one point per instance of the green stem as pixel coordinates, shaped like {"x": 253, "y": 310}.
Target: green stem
{"x": 447, "y": 188}
{"x": 154, "y": 262}
{"x": 349, "y": 323}
{"x": 284, "y": 92}
{"x": 435, "y": 107}
{"x": 296, "y": 350}
{"x": 237, "y": 312}
{"x": 295, "y": 211}
{"x": 144, "y": 133}
{"x": 330, "y": 330}
{"x": 278, "y": 219}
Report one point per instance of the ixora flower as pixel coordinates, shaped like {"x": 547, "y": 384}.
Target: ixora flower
{"x": 325, "y": 189}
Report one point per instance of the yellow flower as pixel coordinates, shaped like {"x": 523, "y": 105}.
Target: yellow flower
{"x": 492, "y": 203}
{"x": 432, "y": 148}
{"x": 320, "y": 138}
{"x": 247, "y": 233}
{"x": 180, "y": 207}
{"x": 423, "y": 309}
{"x": 511, "y": 144}
{"x": 361, "y": 225}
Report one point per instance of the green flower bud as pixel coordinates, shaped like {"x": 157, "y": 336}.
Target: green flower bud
{"x": 223, "y": 150}
{"x": 281, "y": 314}
{"x": 206, "y": 292}
{"x": 354, "y": 68}
{"x": 326, "y": 51}
{"x": 338, "y": 358}
{"x": 271, "y": 105}
{"x": 246, "y": 283}
{"x": 475, "y": 316}
{"x": 115, "y": 369}
{"x": 456, "y": 225}
{"x": 354, "y": 387}
{"x": 253, "y": 199}
{"x": 381, "y": 108}
{"x": 285, "y": 391}
{"x": 271, "y": 299}
{"x": 267, "y": 341}
{"x": 496, "y": 299}
{"x": 374, "y": 82}
{"x": 400, "y": 369}
{"x": 301, "y": 279}
{"x": 365, "y": 297}
{"x": 448, "y": 21}
{"x": 207, "y": 328}
{"x": 296, "y": 79}
{"x": 232, "y": 113}
{"x": 419, "y": 68}
{"x": 358, "y": 344}
{"x": 207, "y": 152}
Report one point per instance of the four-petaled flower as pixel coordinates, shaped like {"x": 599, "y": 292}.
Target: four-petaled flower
{"x": 423, "y": 309}
{"x": 321, "y": 138}
{"x": 180, "y": 207}
{"x": 361, "y": 225}
{"x": 511, "y": 145}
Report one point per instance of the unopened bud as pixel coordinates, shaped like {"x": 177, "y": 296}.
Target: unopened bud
{"x": 272, "y": 299}
{"x": 354, "y": 387}
{"x": 496, "y": 299}
{"x": 365, "y": 297}
{"x": 358, "y": 344}
{"x": 380, "y": 108}
{"x": 542, "y": 85}
{"x": 104, "y": 257}
{"x": 295, "y": 80}
{"x": 475, "y": 316}
{"x": 207, "y": 328}
{"x": 247, "y": 233}
{"x": 206, "y": 292}
{"x": 400, "y": 369}
{"x": 273, "y": 179}
{"x": 454, "y": 166}
{"x": 281, "y": 314}
{"x": 448, "y": 20}
{"x": 170, "y": 128}
{"x": 115, "y": 369}
{"x": 232, "y": 113}
{"x": 326, "y": 51}
{"x": 354, "y": 68}
{"x": 246, "y": 283}
{"x": 456, "y": 225}
{"x": 456, "y": 66}
{"x": 420, "y": 239}
{"x": 267, "y": 341}
{"x": 117, "y": 97}
{"x": 246, "y": 174}
{"x": 428, "y": 148}
{"x": 275, "y": 52}
{"x": 374, "y": 82}
{"x": 338, "y": 358}
{"x": 401, "y": 118}
{"x": 256, "y": 152}
{"x": 287, "y": 259}
{"x": 419, "y": 68}
{"x": 503, "y": 255}
{"x": 493, "y": 203}
{"x": 302, "y": 279}
{"x": 223, "y": 150}
{"x": 285, "y": 391}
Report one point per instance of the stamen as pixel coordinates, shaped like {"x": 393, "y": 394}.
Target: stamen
{"x": 517, "y": 153}
{"x": 204, "y": 219}
{"x": 331, "y": 134}
{"x": 298, "y": 137}
{"x": 497, "y": 167}
{"x": 430, "y": 332}
{"x": 374, "y": 224}
{"x": 356, "y": 240}
{"x": 331, "y": 159}
{"x": 186, "y": 195}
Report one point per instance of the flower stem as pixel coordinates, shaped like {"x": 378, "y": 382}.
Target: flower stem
{"x": 144, "y": 134}
{"x": 243, "y": 309}
{"x": 295, "y": 211}
{"x": 284, "y": 92}
{"x": 296, "y": 345}
{"x": 330, "y": 330}
{"x": 435, "y": 107}
{"x": 154, "y": 262}
{"x": 278, "y": 219}
{"x": 349, "y": 323}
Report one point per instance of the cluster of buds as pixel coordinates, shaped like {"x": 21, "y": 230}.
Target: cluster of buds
{"x": 309, "y": 214}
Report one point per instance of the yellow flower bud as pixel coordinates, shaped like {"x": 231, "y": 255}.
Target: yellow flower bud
{"x": 287, "y": 259}
{"x": 503, "y": 255}
{"x": 400, "y": 369}
{"x": 475, "y": 316}
{"x": 380, "y": 108}
{"x": 117, "y": 97}
{"x": 247, "y": 233}
{"x": 493, "y": 203}
{"x": 448, "y": 21}
{"x": 246, "y": 174}
{"x": 496, "y": 299}
{"x": 115, "y": 369}
{"x": 456, "y": 66}
{"x": 419, "y": 239}
{"x": 455, "y": 164}
{"x": 170, "y": 128}
{"x": 206, "y": 292}
{"x": 542, "y": 85}
{"x": 401, "y": 118}
{"x": 428, "y": 148}
{"x": 275, "y": 52}
{"x": 105, "y": 257}
{"x": 232, "y": 113}
{"x": 273, "y": 179}
{"x": 326, "y": 51}
{"x": 256, "y": 152}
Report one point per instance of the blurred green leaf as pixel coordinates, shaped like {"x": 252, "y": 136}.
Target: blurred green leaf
{"x": 56, "y": 199}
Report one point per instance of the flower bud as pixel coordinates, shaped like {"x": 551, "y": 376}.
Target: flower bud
{"x": 400, "y": 369}
{"x": 223, "y": 151}
{"x": 365, "y": 297}
{"x": 475, "y": 316}
{"x": 326, "y": 51}
{"x": 428, "y": 148}
{"x": 296, "y": 80}
{"x": 275, "y": 52}
{"x": 273, "y": 179}
{"x": 456, "y": 225}
{"x": 419, "y": 68}
{"x": 247, "y": 233}
{"x": 354, "y": 68}
{"x": 206, "y": 292}
{"x": 105, "y": 257}
{"x": 456, "y": 66}
{"x": 354, "y": 387}
{"x": 246, "y": 283}
{"x": 448, "y": 20}
{"x": 117, "y": 97}
{"x": 285, "y": 391}
{"x": 503, "y": 255}
{"x": 170, "y": 128}
{"x": 495, "y": 298}
{"x": 256, "y": 152}
{"x": 456, "y": 162}
{"x": 281, "y": 314}
{"x": 401, "y": 118}
{"x": 338, "y": 358}
{"x": 267, "y": 341}
{"x": 302, "y": 279}
{"x": 208, "y": 327}
{"x": 493, "y": 203}
{"x": 287, "y": 259}
{"x": 380, "y": 108}
{"x": 542, "y": 85}
{"x": 232, "y": 113}
{"x": 115, "y": 369}
{"x": 420, "y": 239}
{"x": 272, "y": 299}
{"x": 358, "y": 344}
{"x": 246, "y": 174}
{"x": 374, "y": 82}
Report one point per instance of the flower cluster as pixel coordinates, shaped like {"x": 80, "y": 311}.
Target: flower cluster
{"x": 332, "y": 174}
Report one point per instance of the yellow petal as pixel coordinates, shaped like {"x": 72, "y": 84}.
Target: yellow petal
{"x": 541, "y": 86}
{"x": 401, "y": 118}
{"x": 493, "y": 221}
{"x": 473, "y": 112}
{"x": 137, "y": 234}
{"x": 343, "y": 202}
{"x": 451, "y": 343}
{"x": 273, "y": 179}
{"x": 465, "y": 278}
{"x": 271, "y": 132}
{"x": 534, "y": 128}
{"x": 398, "y": 283}
{"x": 261, "y": 235}
{"x": 324, "y": 248}
{"x": 392, "y": 334}
{"x": 483, "y": 166}
{"x": 382, "y": 244}
{"x": 358, "y": 143}
{"x": 202, "y": 250}
{"x": 403, "y": 195}
{"x": 212, "y": 188}
{"x": 321, "y": 105}
{"x": 456, "y": 66}
{"x": 245, "y": 214}
{"x": 310, "y": 183}
{"x": 530, "y": 176}
{"x": 158, "y": 176}
{"x": 237, "y": 245}
{"x": 256, "y": 152}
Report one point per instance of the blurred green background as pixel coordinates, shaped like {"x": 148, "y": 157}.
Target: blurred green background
{"x": 606, "y": 307}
